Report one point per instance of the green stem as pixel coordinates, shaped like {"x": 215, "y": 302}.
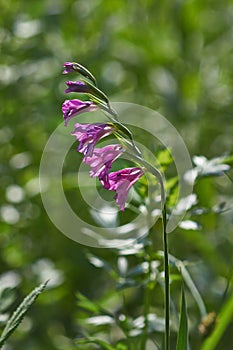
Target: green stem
{"x": 147, "y": 298}
{"x": 159, "y": 176}
{"x": 167, "y": 283}
{"x": 136, "y": 155}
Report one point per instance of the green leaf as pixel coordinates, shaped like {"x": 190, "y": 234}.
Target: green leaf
{"x": 182, "y": 341}
{"x": 90, "y": 306}
{"x": 121, "y": 346}
{"x": 172, "y": 189}
{"x": 228, "y": 159}
{"x": 164, "y": 158}
{"x": 189, "y": 283}
{"x": 104, "y": 345}
{"x": 224, "y": 319}
{"x": 20, "y": 312}
{"x": 193, "y": 289}
{"x": 171, "y": 183}
{"x": 87, "y": 304}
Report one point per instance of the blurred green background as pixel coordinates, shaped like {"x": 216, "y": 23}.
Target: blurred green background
{"x": 175, "y": 57}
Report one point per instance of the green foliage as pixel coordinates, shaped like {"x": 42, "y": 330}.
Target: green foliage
{"x": 104, "y": 345}
{"x": 224, "y": 320}
{"x": 20, "y": 312}
{"x": 174, "y": 57}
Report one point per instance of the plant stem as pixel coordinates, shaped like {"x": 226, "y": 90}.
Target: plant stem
{"x": 157, "y": 173}
{"x": 159, "y": 176}
{"x": 147, "y": 297}
{"x": 167, "y": 283}
{"x": 136, "y": 155}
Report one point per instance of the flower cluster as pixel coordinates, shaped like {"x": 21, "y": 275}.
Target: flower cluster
{"x": 99, "y": 159}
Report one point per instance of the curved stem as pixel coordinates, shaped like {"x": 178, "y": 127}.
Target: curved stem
{"x": 154, "y": 172}
{"x": 159, "y": 176}
{"x": 167, "y": 282}
{"x": 137, "y": 156}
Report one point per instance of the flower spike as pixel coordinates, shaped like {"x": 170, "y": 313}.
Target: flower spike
{"x": 121, "y": 181}
{"x": 77, "y": 86}
{"x": 78, "y": 68}
{"x": 71, "y": 108}
{"x": 102, "y": 159}
{"x": 89, "y": 134}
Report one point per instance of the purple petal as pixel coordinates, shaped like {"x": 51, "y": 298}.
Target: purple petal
{"x": 69, "y": 67}
{"x": 102, "y": 159}
{"x": 121, "y": 181}
{"x": 89, "y": 134}
{"x": 77, "y": 86}
{"x": 71, "y": 108}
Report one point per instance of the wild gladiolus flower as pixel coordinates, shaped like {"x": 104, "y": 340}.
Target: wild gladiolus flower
{"x": 102, "y": 159}
{"x": 121, "y": 181}
{"x": 77, "y": 86}
{"x": 69, "y": 67}
{"x": 71, "y": 108}
{"x": 89, "y": 134}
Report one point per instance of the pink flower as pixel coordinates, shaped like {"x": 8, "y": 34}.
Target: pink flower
{"x": 77, "y": 86}
{"x": 89, "y": 134}
{"x": 69, "y": 67}
{"x": 121, "y": 181}
{"x": 71, "y": 108}
{"x": 102, "y": 159}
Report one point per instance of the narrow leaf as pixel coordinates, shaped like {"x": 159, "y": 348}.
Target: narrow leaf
{"x": 90, "y": 306}
{"x": 20, "y": 312}
{"x": 224, "y": 319}
{"x": 87, "y": 304}
{"x": 104, "y": 345}
{"x": 189, "y": 283}
{"x": 182, "y": 341}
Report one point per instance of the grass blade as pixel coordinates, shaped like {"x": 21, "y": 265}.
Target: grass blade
{"x": 193, "y": 289}
{"x": 189, "y": 283}
{"x": 182, "y": 341}
{"x": 20, "y": 312}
